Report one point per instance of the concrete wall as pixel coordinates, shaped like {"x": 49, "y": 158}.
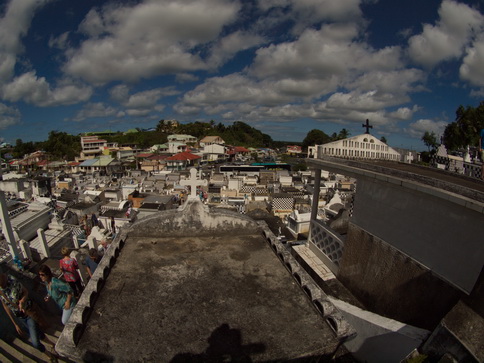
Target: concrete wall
{"x": 193, "y": 218}
{"x": 392, "y": 284}
{"x": 379, "y": 339}
{"x": 440, "y": 230}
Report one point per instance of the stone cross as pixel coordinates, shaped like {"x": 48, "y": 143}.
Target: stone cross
{"x": 367, "y": 126}
{"x": 193, "y": 182}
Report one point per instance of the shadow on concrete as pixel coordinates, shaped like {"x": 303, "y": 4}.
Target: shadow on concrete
{"x": 96, "y": 357}
{"x": 225, "y": 345}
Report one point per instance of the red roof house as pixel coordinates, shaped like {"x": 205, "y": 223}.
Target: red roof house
{"x": 181, "y": 160}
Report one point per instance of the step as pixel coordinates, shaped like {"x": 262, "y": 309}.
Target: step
{"x": 13, "y": 354}
{"x": 30, "y": 354}
{"x": 7, "y": 358}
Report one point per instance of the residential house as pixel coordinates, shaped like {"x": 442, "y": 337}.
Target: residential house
{"x": 293, "y": 149}
{"x": 214, "y": 152}
{"x": 32, "y": 161}
{"x": 124, "y": 152}
{"x": 185, "y": 139}
{"x": 211, "y": 140}
{"x": 92, "y": 146}
{"x": 154, "y": 163}
{"x": 72, "y": 167}
{"x": 105, "y": 165}
{"x": 238, "y": 153}
{"x": 177, "y": 147}
{"x": 163, "y": 148}
{"x": 167, "y": 125}
{"x": 182, "y": 161}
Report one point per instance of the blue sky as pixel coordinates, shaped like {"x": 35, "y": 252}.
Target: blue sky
{"x": 284, "y": 67}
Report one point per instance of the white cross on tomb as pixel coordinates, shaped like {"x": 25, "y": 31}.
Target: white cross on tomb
{"x": 193, "y": 183}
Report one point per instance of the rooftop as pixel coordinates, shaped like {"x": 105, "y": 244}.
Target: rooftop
{"x": 193, "y": 293}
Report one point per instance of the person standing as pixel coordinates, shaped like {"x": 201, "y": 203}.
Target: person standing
{"x": 94, "y": 220}
{"x": 59, "y": 291}
{"x": 92, "y": 261}
{"x": 113, "y": 225}
{"x": 16, "y": 303}
{"x": 69, "y": 268}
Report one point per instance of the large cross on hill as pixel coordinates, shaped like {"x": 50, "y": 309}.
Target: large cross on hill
{"x": 368, "y": 126}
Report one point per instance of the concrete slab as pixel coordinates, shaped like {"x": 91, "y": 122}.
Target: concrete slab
{"x": 174, "y": 296}
{"x": 314, "y": 262}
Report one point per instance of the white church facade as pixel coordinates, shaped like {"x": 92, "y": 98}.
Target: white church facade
{"x": 364, "y": 146}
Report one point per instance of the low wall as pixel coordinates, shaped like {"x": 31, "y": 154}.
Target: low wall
{"x": 391, "y": 284}
{"x": 193, "y": 218}
{"x": 379, "y": 339}
{"x": 439, "y": 229}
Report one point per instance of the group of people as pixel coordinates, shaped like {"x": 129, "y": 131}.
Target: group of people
{"x": 26, "y": 315}
{"x": 88, "y": 222}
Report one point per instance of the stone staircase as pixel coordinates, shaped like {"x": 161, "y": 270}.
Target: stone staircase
{"x": 20, "y": 350}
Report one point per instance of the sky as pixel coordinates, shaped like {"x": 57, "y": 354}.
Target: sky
{"x": 285, "y": 67}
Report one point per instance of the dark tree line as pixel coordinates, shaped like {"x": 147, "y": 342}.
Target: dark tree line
{"x": 239, "y": 133}
{"x": 63, "y": 146}
{"x": 59, "y": 146}
{"x": 318, "y": 137}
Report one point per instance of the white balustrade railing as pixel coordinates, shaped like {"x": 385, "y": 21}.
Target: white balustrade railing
{"x": 327, "y": 241}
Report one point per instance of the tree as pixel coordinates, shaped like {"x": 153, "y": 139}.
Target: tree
{"x": 315, "y": 137}
{"x": 464, "y": 131}
{"x": 384, "y": 140}
{"x": 430, "y": 140}
{"x": 343, "y": 134}
{"x": 62, "y": 146}
{"x": 23, "y": 148}
{"x": 160, "y": 127}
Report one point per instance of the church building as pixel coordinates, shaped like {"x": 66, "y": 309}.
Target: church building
{"x": 364, "y": 146}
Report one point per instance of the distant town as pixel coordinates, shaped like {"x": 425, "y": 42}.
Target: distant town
{"x": 326, "y": 210}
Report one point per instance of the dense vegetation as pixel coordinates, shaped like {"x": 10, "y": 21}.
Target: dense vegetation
{"x": 464, "y": 131}
{"x": 59, "y": 145}
{"x": 62, "y": 146}
{"x": 318, "y": 137}
{"x": 458, "y": 135}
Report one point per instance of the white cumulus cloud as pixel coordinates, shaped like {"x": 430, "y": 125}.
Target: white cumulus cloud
{"x": 147, "y": 39}
{"x": 94, "y": 110}
{"x": 36, "y": 90}
{"x": 418, "y": 128}
{"x": 8, "y": 116}
{"x": 446, "y": 39}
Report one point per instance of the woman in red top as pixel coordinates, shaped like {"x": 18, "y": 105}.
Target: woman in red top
{"x": 69, "y": 268}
